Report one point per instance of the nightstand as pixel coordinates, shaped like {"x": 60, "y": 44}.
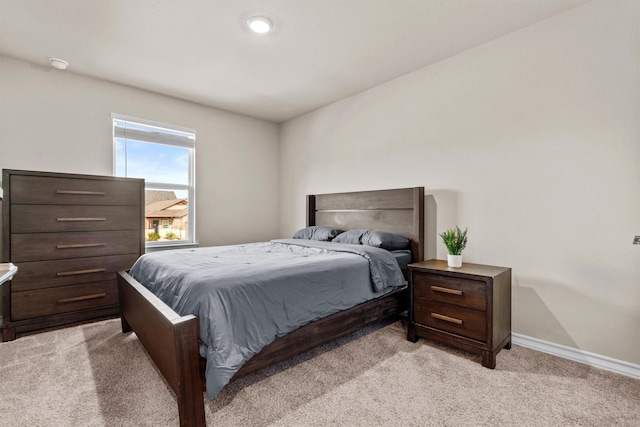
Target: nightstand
{"x": 468, "y": 307}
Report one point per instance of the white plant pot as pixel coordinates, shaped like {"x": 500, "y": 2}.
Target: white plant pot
{"x": 454, "y": 261}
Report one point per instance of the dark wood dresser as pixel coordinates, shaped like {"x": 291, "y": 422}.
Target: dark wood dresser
{"x": 467, "y": 307}
{"x": 68, "y": 235}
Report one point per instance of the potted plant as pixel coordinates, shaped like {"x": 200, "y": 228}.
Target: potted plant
{"x": 455, "y": 240}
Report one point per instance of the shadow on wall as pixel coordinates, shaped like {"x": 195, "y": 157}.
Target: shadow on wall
{"x": 533, "y": 317}
{"x": 447, "y": 205}
{"x": 562, "y": 314}
{"x": 430, "y": 227}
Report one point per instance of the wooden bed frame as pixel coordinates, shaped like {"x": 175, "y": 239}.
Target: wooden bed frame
{"x": 172, "y": 340}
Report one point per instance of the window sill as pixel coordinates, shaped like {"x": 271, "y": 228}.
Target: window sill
{"x": 156, "y": 248}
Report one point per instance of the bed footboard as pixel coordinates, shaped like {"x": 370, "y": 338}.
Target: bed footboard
{"x": 172, "y": 342}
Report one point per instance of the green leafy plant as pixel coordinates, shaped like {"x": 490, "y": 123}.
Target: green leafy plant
{"x": 455, "y": 240}
{"x": 170, "y": 235}
{"x": 153, "y": 236}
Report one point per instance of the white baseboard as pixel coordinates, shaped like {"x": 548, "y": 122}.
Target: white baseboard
{"x": 591, "y": 359}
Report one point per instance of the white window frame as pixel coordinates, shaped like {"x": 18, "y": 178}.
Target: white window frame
{"x": 187, "y": 141}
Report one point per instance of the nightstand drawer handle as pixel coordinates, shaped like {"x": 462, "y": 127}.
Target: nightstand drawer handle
{"x": 446, "y": 318}
{"x": 81, "y": 193}
{"x": 446, "y": 290}
{"x": 79, "y": 219}
{"x": 81, "y": 245}
{"x": 75, "y": 272}
{"x": 82, "y": 298}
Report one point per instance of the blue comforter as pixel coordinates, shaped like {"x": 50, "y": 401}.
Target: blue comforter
{"x": 248, "y": 295}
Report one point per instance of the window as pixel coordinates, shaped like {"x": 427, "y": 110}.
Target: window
{"x": 164, "y": 155}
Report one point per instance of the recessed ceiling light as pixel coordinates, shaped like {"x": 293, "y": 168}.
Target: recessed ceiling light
{"x": 259, "y": 24}
{"x": 58, "y": 63}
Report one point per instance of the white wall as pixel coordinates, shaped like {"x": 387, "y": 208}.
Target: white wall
{"x": 532, "y": 141}
{"x": 59, "y": 121}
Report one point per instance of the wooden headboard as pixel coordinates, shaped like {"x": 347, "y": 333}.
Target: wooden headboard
{"x": 399, "y": 211}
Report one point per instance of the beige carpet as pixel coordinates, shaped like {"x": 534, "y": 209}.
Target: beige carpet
{"x": 93, "y": 375}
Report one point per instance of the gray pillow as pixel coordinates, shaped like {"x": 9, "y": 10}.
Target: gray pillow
{"x": 379, "y": 239}
{"x": 317, "y": 232}
{"x": 385, "y": 240}
{"x": 351, "y": 237}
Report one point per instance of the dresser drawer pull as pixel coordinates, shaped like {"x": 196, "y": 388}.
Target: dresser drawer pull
{"x": 446, "y": 290}
{"x": 81, "y": 193}
{"x": 76, "y": 272}
{"x": 82, "y": 298}
{"x": 81, "y": 245}
{"x": 446, "y": 318}
{"x": 79, "y": 219}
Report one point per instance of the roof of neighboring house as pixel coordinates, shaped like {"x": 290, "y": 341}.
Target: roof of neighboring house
{"x": 152, "y": 196}
{"x": 166, "y": 209}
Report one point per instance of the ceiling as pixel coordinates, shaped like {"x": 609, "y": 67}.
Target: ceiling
{"x": 318, "y": 52}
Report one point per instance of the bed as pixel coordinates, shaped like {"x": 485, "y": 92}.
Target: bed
{"x": 172, "y": 340}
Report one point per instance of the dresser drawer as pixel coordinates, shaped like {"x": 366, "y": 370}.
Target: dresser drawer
{"x": 53, "y": 218}
{"x": 47, "y": 246}
{"x": 45, "y": 302}
{"x": 48, "y": 274}
{"x": 464, "y": 292}
{"x": 451, "y": 318}
{"x": 72, "y": 191}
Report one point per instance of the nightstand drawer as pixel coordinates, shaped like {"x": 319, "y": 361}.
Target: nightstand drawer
{"x": 464, "y": 292}
{"x": 45, "y": 302}
{"x": 451, "y": 318}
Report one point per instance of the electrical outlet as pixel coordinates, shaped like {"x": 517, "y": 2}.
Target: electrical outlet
{"x": 636, "y": 240}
